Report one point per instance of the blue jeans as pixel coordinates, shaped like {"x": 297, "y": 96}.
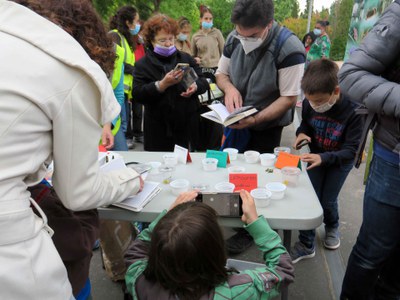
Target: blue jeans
{"x": 373, "y": 270}
{"x": 327, "y": 183}
{"x": 120, "y": 139}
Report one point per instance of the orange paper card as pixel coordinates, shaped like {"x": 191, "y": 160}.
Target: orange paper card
{"x": 287, "y": 160}
{"x": 244, "y": 181}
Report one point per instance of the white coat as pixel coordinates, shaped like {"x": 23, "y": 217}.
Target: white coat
{"x": 53, "y": 98}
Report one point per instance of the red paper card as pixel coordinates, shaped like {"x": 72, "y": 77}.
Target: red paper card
{"x": 244, "y": 181}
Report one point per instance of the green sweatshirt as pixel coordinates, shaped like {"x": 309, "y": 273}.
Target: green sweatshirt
{"x": 260, "y": 283}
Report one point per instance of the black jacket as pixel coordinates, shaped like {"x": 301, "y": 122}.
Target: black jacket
{"x": 169, "y": 118}
{"x": 371, "y": 76}
{"x": 335, "y": 134}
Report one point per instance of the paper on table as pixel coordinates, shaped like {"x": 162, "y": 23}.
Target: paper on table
{"x": 137, "y": 202}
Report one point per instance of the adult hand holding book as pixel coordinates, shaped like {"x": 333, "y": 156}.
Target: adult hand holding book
{"x": 220, "y": 114}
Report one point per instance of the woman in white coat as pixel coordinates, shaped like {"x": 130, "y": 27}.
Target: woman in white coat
{"x": 53, "y": 99}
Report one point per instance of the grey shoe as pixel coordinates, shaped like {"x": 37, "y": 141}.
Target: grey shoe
{"x": 300, "y": 251}
{"x": 332, "y": 240}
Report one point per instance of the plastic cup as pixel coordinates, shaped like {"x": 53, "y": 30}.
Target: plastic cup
{"x": 277, "y": 189}
{"x": 166, "y": 173}
{"x": 267, "y": 159}
{"x": 232, "y": 152}
{"x": 290, "y": 175}
{"x": 154, "y": 167}
{"x": 236, "y": 169}
{"x": 210, "y": 164}
{"x": 251, "y": 156}
{"x": 225, "y": 187}
{"x": 261, "y": 197}
{"x": 179, "y": 186}
{"x": 170, "y": 159}
{"x": 278, "y": 150}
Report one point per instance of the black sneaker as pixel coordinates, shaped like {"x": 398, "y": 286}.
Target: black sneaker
{"x": 239, "y": 242}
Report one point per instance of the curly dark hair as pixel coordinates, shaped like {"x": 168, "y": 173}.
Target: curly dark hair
{"x": 81, "y": 21}
{"x": 118, "y": 21}
{"x": 187, "y": 251}
{"x": 155, "y": 24}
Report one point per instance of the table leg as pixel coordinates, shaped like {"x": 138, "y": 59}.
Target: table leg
{"x": 287, "y": 239}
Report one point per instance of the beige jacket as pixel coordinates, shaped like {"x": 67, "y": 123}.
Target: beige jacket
{"x": 208, "y": 46}
{"x": 53, "y": 98}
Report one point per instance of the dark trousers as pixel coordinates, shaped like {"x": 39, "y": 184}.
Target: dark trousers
{"x": 128, "y": 109}
{"x": 327, "y": 183}
{"x": 373, "y": 270}
{"x": 137, "y": 118}
{"x": 264, "y": 141}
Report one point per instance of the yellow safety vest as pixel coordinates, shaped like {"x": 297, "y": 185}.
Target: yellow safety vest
{"x": 119, "y": 61}
{"x": 129, "y": 59}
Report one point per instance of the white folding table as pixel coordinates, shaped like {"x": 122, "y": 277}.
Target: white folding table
{"x": 298, "y": 210}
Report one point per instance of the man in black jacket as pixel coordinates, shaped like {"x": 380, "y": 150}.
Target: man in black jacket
{"x": 372, "y": 76}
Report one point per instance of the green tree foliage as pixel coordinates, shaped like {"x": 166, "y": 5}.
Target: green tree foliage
{"x": 340, "y": 22}
{"x": 284, "y": 9}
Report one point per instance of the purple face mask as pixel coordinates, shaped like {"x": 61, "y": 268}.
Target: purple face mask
{"x": 164, "y": 51}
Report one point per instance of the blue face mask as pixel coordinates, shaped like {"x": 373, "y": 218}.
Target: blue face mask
{"x": 206, "y": 25}
{"x": 182, "y": 37}
{"x": 136, "y": 30}
{"x": 317, "y": 31}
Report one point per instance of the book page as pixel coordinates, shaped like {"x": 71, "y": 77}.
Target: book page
{"x": 220, "y": 110}
{"x": 136, "y": 202}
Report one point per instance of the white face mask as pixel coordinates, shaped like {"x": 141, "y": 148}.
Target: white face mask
{"x": 250, "y": 43}
{"x": 323, "y": 107}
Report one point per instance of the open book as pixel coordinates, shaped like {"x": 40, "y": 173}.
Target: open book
{"x": 220, "y": 114}
{"x": 135, "y": 202}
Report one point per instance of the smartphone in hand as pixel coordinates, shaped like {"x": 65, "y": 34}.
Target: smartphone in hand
{"x": 225, "y": 204}
{"x": 181, "y": 66}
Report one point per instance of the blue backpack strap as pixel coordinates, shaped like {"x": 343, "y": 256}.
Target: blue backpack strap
{"x": 283, "y": 35}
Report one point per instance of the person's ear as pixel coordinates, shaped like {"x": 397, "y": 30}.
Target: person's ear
{"x": 336, "y": 91}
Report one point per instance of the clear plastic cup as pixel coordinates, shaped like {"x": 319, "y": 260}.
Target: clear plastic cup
{"x": 165, "y": 173}
{"x": 225, "y": 187}
{"x": 170, "y": 159}
{"x": 267, "y": 159}
{"x": 277, "y": 150}
{"x": 251, "y": 156}
{"x": 232, "y": 152}
{"x": 210, "y": 164}
{"x": 179, "y": 186}
{"x": 261, "y": 197}
{"x": 236, "y": 169}
{"x": 277, "y": 189}
{"x": 290, "y": 175}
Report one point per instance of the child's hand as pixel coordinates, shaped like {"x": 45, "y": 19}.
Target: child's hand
{"x": 184, "y": 197}
{"x": 299, "y": 138}
{"x": 249, "y": 208}
{"x": 313, "y": 159}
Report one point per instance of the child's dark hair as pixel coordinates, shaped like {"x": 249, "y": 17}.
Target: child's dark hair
{"x": 320, "y": 77}
{"x": 187, "y": 252}
{"x": 323, "y": 23}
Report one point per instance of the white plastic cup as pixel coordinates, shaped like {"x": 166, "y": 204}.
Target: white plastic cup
{"x": 251, "y": 156}
{"x": 290, "y": 175}
{"x": 277, "y": 189}
{"x": 261, "y": 197}
{"x": 154, "y": 167}
{"x": 267, "y": 159}
{"x": 232, "y": 152}
{"x": 210, "y": 164}
{"x": 278, "y": 150}
{"x": 225, "y": 187}
{"x": 170, "y": 159}
{"x": 236, "y": 169}
{"x": 179, "y": 186}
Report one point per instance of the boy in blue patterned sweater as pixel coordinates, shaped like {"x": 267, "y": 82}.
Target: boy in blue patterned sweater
{"x": 333, "y": 129}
